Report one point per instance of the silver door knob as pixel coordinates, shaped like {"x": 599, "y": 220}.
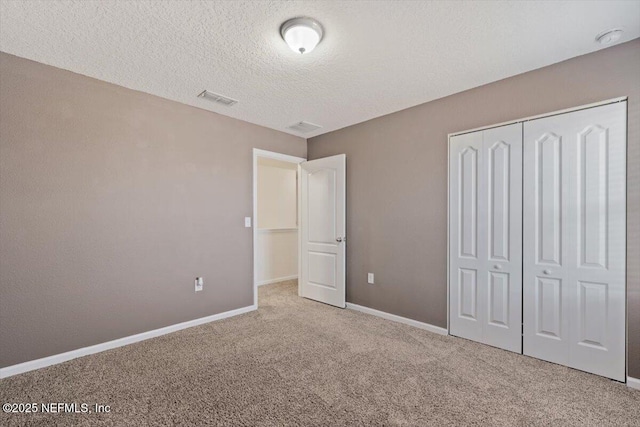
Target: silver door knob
{"x": 547, "y": 272}
{"x": 338, "y": 239}
{"x": 497, "y": 267}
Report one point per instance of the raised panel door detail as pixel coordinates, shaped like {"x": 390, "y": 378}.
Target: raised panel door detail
{"x": 468, "y": 293}
{"x": 485, "y": 226}
{"x": 499, "y": 200}
{"x": 593, "y": 316}
{"x": 598, "y": 336}
{"x": 577, "y": 291}
{"x": 322, "y": 206}
{"x": 499, "y": 299}
{"x": 549, "y": 193}
{"x": 544, "y": 234}
{"x": 322, "y": 269}
{"x": 502, "y": 310}
{"x": 548, "y": 307}
{"x": 468, "y": 202}
{"x": 322, "y": 219}
{"x": 466, "y": 237}
{"x": 592, "y": 196}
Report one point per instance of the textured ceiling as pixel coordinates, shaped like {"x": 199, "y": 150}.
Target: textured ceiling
{"x": 376, "y": 58}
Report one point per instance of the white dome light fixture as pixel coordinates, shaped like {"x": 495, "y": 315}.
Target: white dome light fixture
{"x": 302, "y": 34}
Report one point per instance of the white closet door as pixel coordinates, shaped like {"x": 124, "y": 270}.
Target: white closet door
{"x": 485, "y": 222}
{"x": 467, "y": 238}
{"x": 574, "y": 239}
{"x": 503, "y": 148}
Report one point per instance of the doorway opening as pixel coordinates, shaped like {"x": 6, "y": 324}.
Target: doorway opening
{"x": 275, "y": 218}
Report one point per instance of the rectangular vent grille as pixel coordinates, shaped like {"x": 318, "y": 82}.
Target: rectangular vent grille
{"x": 304, "y": 127}
{"x": 216, "y": 97}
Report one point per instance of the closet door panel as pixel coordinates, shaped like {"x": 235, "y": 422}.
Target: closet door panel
{"x": 545, "y": 281}
{"x": 485, "y": 222}
{"x": 574, "y": 239}
{"x": 466, "y": 248}
{"x": 503, "y": 151}
{"x": 598, "y": 208}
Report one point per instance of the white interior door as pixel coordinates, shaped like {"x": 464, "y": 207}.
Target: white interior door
{"x": 485, "y": 241}
{"x": 322, "y": 224}
{"x": 574, "y": 239}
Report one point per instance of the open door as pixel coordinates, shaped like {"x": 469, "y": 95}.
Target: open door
{"x": 322, "y": 229}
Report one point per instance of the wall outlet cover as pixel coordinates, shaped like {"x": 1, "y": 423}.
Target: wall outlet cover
{"x": 370, "y": 278}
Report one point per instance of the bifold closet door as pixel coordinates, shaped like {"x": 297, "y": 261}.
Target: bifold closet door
{"x": 485, "y": 241}
{"x": 574, "y": 239}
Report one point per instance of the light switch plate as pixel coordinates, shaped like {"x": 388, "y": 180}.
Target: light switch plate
{"x": 199, "y": 282}
{"x": 370, "y": 278}
{"x": 247, "y": 221}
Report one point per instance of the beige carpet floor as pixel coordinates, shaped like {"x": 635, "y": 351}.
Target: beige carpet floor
{"x": 298, "y": 362}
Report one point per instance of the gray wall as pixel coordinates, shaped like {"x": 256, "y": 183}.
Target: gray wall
{"x": 112, "y": 202}
{"x": 397, "y": 180}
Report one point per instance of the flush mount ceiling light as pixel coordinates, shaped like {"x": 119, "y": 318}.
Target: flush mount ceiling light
{"x": 609, "y": 36}
{"x": 301, "y": 34}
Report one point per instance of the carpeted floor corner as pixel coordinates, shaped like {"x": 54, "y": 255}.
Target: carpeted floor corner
{"x": 301, "y": 363}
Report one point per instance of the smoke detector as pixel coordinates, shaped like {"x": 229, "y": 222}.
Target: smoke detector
{"x": 217, "y": 98}
{"x": 609, "y": 36}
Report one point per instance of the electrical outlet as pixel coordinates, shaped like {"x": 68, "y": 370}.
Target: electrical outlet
{"x": 370, "y": 278}
{"x": 247, "y": 221}
{"x": 199, "y": 282}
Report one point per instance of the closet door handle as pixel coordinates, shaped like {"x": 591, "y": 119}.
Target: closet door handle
{"x": 338, "y": 239}
{"x": 497, "y": 267}
{"x": 547, "y": 272}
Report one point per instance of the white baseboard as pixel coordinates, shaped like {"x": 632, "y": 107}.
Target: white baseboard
{"x": 399, "y": 319}
{"x": 85, "y": 351}
{"x": 278, "y": 279}
{"x": 633, "y": 383}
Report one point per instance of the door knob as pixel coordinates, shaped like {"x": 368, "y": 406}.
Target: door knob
{"x": 547, "y": 272}
{"x": 338, "y": 239}
{"x": 497, "y": 267}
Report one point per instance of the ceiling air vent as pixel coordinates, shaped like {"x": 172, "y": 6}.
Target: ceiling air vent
{"x": 216, "y": 97}
{"x": 304, "y": 127}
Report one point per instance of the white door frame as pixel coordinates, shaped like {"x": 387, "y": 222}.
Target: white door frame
{"x": 269, "y": 155}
